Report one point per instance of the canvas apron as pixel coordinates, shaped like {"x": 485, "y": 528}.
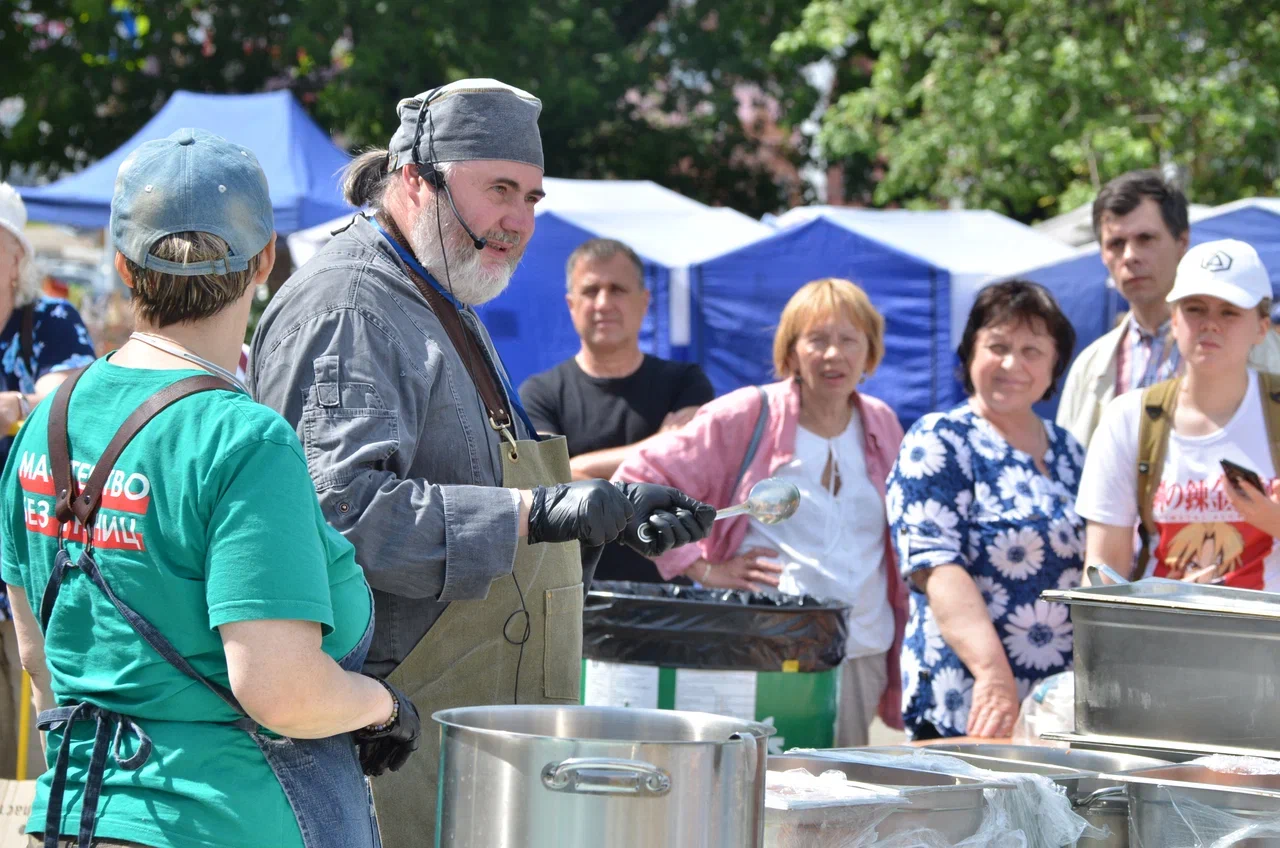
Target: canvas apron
{"x": 321, "y": 778}
{"x": 481, "y": 652}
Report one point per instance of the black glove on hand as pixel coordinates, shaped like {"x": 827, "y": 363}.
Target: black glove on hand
{"x": 673, "y": 517}
{"x": 589, "y": 511}
{"x": 387, "y": 750}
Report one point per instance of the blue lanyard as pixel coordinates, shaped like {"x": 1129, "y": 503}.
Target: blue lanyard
{"x": 412, "y": 261}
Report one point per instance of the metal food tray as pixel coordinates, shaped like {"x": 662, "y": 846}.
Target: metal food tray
{"x": 949, "y": 804}
{"x": 1154, "y": 795}
{"x": 1164, "y": 749}
{"x": 1176, "y": 663}
{"x": 1078, "y": 773}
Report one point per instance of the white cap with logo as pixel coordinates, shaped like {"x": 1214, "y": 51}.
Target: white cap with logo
{"x": 1228, "y": 269}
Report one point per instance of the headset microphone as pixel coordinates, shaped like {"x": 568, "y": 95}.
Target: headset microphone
{"x": 435, "y": 179}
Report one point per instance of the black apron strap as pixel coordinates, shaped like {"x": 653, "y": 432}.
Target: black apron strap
{"x": 27, "y": 340}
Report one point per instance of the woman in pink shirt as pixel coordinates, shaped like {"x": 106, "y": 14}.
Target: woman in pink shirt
{"x": 837, "y": 447}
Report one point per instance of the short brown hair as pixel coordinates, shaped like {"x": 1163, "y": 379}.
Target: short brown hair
{"x": 1127, "y": 191}
{"x": 163, "y": 299}
{"x": 600, "y": 248}
{"x": 1017, "y": 302}
{"x": 824, "y": 298}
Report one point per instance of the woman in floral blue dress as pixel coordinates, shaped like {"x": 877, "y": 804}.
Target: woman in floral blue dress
{"x": 981, "y": 508}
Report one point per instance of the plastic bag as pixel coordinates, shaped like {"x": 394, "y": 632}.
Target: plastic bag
{"x": 1030, "y": 806}
{"x": 716, "y": 629}
{"x": 1190, "y": 824}
{"x": 1050, "y": 708}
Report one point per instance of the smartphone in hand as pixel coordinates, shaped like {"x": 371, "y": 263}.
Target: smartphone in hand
{"x": 1238, "y": 474}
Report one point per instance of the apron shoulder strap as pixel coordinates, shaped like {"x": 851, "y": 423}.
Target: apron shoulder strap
{"x": 83, "y": 504}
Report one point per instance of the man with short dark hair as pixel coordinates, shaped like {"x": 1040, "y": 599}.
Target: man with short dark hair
{"x": 1141, "y": 225}
{"x": 611, "y": 396}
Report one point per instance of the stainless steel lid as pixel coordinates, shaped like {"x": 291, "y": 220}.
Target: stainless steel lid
{"x": 1175, "y": 596}
{"x": 1164, "y": 749}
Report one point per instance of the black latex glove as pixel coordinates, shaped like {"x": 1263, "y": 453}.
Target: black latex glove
{"x": 589, "y": 511}
{"x": 387, "y": 750}
{"x": 674, "y": 518}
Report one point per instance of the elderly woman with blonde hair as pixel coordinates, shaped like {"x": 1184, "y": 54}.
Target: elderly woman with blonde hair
{"x": 42, "y": 340}
{"x": 816, "y": 430}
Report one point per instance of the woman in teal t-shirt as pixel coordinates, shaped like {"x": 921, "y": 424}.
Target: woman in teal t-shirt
{"x": 198, "y": 629}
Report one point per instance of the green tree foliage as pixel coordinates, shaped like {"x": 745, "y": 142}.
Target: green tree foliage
{"x": 90, "y": 73}
{"x": 632, "y": 89}
{"x": 1026, "y": 106}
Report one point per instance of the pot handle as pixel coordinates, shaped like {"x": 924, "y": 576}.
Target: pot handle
{"x": 1104, "y": 794}
{"x": 604, "y": 776}
{"x": 1105, "y": 571}
{"x": 751, "y": 742}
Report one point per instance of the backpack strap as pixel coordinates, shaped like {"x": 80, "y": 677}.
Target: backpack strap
{"x": 1155, "y": 423}
{"x": 1270, "y": 385}
{"x": 754, "y": 445}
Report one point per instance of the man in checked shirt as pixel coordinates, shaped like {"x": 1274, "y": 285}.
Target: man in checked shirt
{"x": 1140, "y": 222}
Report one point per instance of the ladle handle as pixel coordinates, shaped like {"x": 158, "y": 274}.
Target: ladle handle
{"x": 646, "y": 530}
{"x": 1105, "y": 571}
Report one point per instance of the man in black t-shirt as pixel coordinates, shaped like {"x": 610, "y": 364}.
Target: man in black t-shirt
{"x": 611, "y": 396}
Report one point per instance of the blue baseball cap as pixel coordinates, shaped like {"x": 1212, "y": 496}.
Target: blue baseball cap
{"x": 192, "y": 181}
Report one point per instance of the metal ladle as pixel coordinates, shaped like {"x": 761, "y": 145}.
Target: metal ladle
{"x": 769, "y": 502}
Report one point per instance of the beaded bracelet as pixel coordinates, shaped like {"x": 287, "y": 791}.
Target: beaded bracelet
{"x": 395, "y": 712}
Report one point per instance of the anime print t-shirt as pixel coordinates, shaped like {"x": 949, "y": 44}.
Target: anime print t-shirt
{"x": 1200, "y": 535}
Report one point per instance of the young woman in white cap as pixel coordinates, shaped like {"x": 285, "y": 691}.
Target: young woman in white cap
{"x": 41, "y": 339}
{"x": 195, "y": 627}
{"x": 1191, "y": 460}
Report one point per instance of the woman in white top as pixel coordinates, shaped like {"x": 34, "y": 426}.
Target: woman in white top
{"x": 836, "y": 445}
{"x": 1209, "y": 529}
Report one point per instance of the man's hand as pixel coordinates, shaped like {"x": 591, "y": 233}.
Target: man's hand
{"x": 673, "y": 517}
{"x": 593, "y": 512}
{"x": 745, "y": 571}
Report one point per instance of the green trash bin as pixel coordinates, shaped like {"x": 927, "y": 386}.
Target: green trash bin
{"x": 767, "y": 658}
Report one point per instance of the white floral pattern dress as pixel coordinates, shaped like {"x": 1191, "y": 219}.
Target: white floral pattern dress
{"x": 959, "y": 494}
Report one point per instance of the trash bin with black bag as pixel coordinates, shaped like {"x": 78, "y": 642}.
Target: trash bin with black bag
{"x": 763, "y": 657}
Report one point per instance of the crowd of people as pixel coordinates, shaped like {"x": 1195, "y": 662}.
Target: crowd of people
{"x": 237, "y": 618}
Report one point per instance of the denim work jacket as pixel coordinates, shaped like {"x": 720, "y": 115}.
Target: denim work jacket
{"x": 397, "y": 440}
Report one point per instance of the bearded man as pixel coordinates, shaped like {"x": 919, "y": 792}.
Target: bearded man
{"x": 475, "y": 543}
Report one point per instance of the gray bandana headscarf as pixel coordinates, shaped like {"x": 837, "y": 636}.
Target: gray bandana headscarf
{"x": 466, "y": 120}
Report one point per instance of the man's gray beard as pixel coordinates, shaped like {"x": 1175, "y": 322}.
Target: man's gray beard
{"x": 467, "y": 278}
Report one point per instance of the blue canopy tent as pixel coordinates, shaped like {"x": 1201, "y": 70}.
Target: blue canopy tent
{"x": 920, "y": 269}
{"x": 530, "y": 321}
{"x": 1083, "y": 280}
{"x": 300, "y": 161}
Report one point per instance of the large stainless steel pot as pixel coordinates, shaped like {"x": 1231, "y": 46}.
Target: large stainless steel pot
{"x": 1162, "y": 813}
{"x": 950, "y": 805}
{"x": 587, "y": 777}
{"x": 1180, "y": 662}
